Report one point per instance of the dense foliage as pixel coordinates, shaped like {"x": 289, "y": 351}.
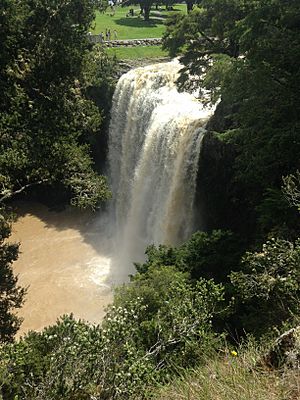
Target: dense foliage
{"x": 246, "y": 54}
{"x": 44, "y": 111}
{"x": 268, "y": 286}
{"x": 47, "y": 117}
{"x": 157, "y": 324}
{"x": 263, "y": 282}
{"x": 11, "y": 295}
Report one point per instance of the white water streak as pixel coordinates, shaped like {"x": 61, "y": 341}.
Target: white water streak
{"x": 154, "y": 146}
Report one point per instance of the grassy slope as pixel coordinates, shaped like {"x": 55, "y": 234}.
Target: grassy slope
{"x": 234, "y": 378}
{"x": 133, "y": 27}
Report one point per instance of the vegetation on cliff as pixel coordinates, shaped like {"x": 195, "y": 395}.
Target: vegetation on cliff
{"x": 245, "y": 53}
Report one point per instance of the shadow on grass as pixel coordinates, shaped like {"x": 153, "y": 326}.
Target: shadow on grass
{"x": 165, "y": 13}
{"x": 138, "y": 22}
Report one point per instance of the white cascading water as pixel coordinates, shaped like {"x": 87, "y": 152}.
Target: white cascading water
{"x": 154, "y": 146}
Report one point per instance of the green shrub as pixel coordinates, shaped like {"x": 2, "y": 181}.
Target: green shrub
{"x": 207, "y": 255}
{"x": 157, "y": 324}
{"x": 175, "y": 317}
{"x": 267, "y": 289}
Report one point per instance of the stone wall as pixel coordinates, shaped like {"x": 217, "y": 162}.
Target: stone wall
{"x": 125, "y": 43}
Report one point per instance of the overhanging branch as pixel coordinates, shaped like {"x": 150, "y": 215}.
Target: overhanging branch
{"x": 21, "y": 189}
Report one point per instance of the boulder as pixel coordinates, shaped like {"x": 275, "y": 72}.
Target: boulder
{"x": 285, "y": 350}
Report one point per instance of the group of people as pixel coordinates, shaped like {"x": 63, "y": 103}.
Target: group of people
{"x": 108, "y": 35}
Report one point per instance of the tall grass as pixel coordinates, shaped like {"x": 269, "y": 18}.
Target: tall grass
{"x": 229, "y": 377}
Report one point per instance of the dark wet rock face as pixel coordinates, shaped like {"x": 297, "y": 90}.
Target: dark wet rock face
{"x": 219, "y": 199}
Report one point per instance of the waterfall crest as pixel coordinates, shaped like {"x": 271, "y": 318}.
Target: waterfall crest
{"x": 154, "y": 146}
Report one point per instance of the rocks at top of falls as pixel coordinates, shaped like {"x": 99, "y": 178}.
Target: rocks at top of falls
{"x": 154, "y": 145}
{"x": 126, "y": 65}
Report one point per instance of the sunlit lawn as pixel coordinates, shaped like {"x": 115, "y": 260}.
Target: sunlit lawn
{"x": 123, "y": 53}
{"x": 134, "y": 27}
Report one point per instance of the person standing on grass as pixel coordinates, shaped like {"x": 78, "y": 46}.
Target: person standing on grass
{"x": 112, "y": 7}
{"x": 115, "y": 35}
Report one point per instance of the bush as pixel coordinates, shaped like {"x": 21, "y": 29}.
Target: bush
{"x": 267, "y": 289}
{"x": 174, "y": 323}
{"x": 157, "y": 324}
{"x": 205, "y": 255}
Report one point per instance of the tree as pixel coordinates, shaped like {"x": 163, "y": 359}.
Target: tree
{"x": 44, "y": 111}
{"x": 11, "y": 295}
{"x": 174, "y": 323}
{"x": 46, "y": 116}
{"x": 190, "y": 4}
{"x": 226, "y": 50}
{"x": 146, "y": 8}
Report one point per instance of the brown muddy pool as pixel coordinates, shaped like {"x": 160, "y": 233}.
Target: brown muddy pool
{"x": 64, "y": 262}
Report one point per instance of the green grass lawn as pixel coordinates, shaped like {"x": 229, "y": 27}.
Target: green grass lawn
{"x": 133, "y": 27}
{"x": 123, "y": 53}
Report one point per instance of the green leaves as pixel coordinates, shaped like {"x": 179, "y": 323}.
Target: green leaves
{"x": 173, "y": 323}
{"x": 204, "y": 255}
{"x": 11, "y": 295}
{"x": 45, "y": 114}
{"x": 291, "y": 189}
{"x": 157, "y": 324}
{"x": 243, "y": 53}
{"x": 268, "y": 285}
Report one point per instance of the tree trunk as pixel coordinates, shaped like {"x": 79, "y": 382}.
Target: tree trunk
{"x": 189, "y": 5}
{"x": 147, "y": 13}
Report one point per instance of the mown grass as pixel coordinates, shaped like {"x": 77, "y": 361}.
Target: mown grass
{"x": 234, "y": 378}
{"x": 123, "y": 53}
{"x": 133, "y": 27}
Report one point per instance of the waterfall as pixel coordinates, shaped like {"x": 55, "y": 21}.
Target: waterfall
{"x": 154, "y": 145}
